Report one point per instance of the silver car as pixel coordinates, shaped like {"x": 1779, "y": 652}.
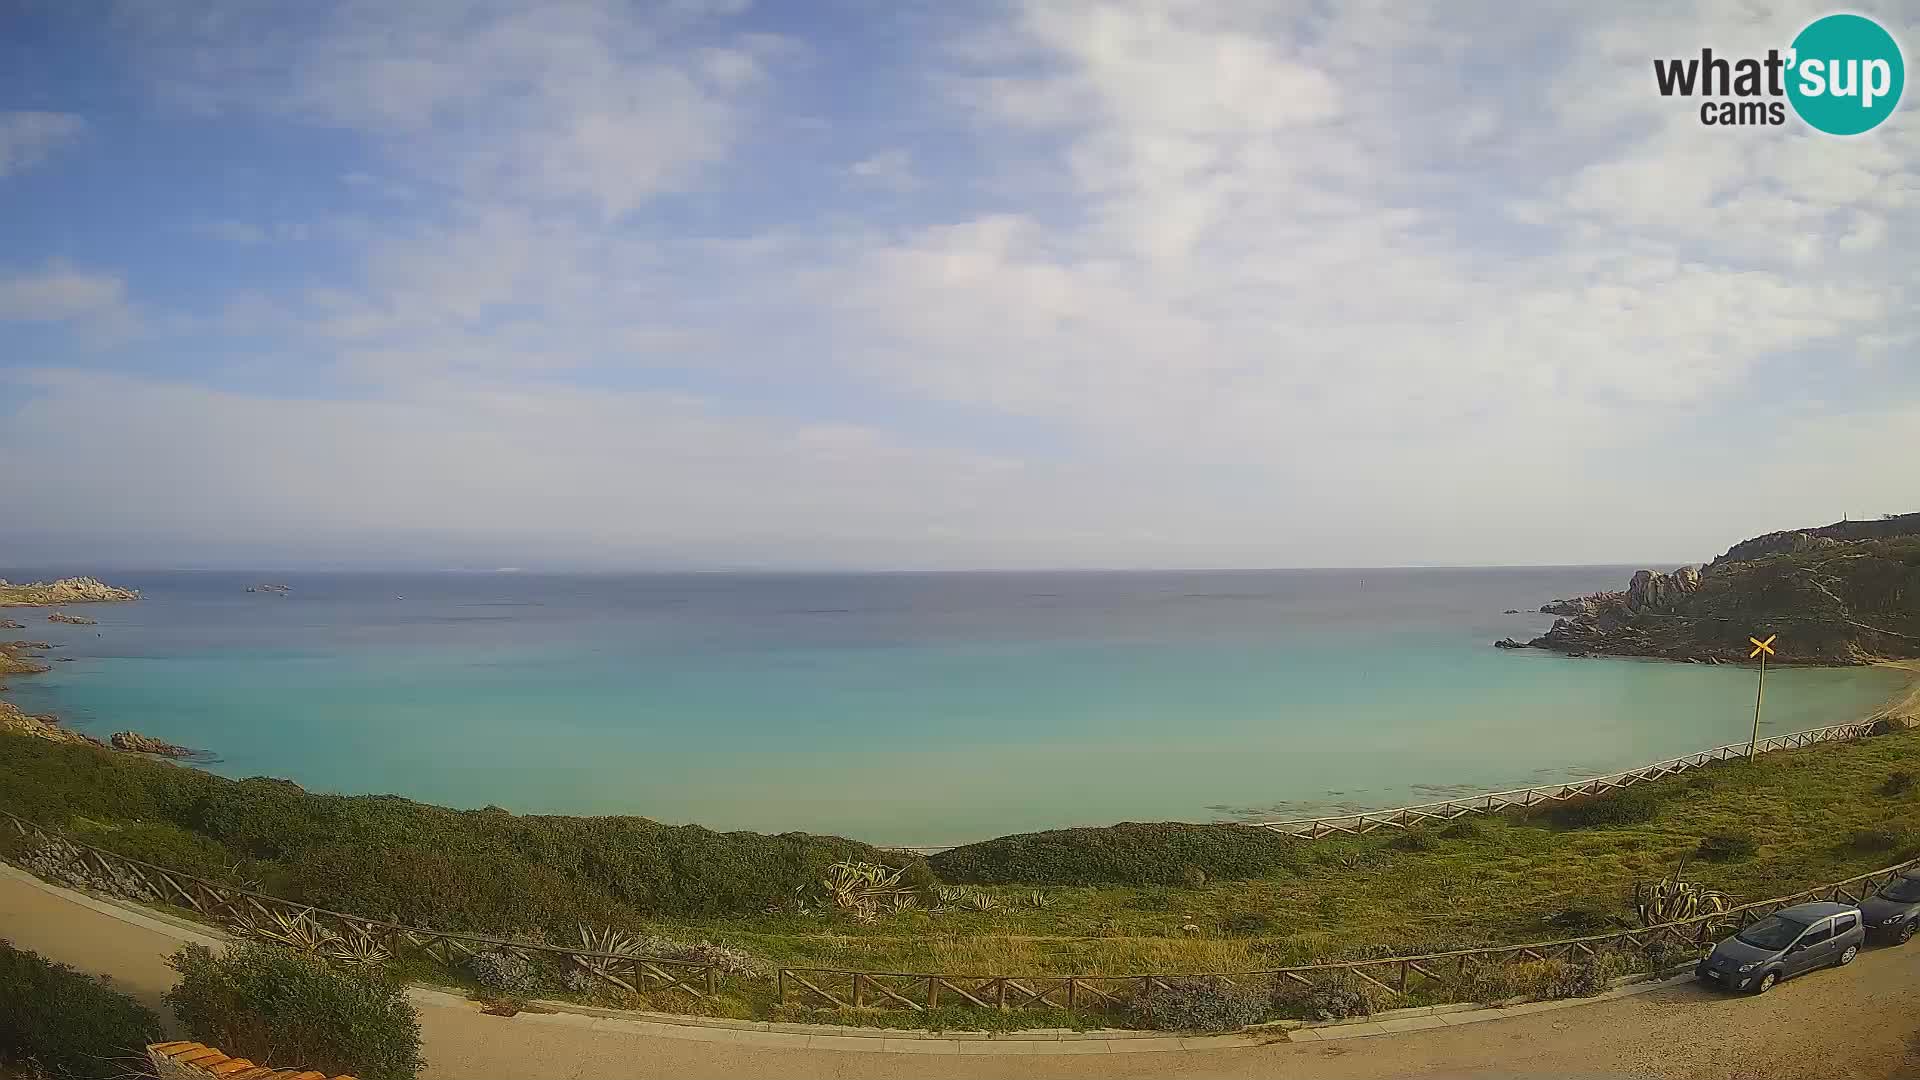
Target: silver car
{"x": 1789, "y": 942}
{"x": 1894, "y": 912}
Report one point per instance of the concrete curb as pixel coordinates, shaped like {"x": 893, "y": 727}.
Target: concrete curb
{"x": 762, "y": 1033}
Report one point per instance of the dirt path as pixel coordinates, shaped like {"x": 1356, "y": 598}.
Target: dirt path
{"x": 1862, "y": 1023}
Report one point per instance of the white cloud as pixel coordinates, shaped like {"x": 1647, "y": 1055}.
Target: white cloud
{"x": 57, "y": 292}
{"x": 889, "y": 169}
{"x": 29, "y": 138}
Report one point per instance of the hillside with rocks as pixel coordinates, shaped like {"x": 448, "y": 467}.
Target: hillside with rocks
{"x": 1847, "y": 593}
{"x": 73, "y": 590}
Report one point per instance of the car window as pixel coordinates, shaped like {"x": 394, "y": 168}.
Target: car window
{"x": 1772, "y": 932}
{"x": 1818, "y": 934}
{"x": 1904, "y": 891}
{"x": 1844, "y": 923}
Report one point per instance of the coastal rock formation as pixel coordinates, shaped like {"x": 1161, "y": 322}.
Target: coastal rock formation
{"x": 73, "y": 590}
{"x": 77, "y": 620}
{"x": 15, "y": 722}
{"x": 270, "y": 588}
{"x": 1841, "y": 594}
{"x": 12, "y": 663}
{"x": 9, "y": 624}
{"x": 1509, "y": 643}
{"x": 137, "y": 743}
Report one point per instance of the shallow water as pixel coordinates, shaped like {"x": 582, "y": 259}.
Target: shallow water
{"x": 899, "y": 708}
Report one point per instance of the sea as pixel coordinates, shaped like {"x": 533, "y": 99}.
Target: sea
{"x": 918, "y": 709}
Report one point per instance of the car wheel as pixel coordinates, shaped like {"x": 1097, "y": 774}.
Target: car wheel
{"x": 1846, "y": 956}
{"x": 1766, "y": 982}
{"x": 1904, "y": 934}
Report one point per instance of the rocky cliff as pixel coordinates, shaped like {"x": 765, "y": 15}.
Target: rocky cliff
{"x": 73, "y": 590}
{"x": 1846, "y": 593}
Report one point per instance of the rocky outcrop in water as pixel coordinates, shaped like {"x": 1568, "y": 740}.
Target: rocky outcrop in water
{"x": 12, "y": 662}
{"x": 1841, "y": 594}
{"x": 15, "y": 722}
{"x": 76, "y": 620}
{"x": 134, "y": 742}
{"x": 270, "y": 588}
{"x": 73, "y": 590}
{"x": 9, "y": 624}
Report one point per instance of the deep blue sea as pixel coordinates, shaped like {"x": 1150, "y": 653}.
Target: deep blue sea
{"x": 899, "y": 708}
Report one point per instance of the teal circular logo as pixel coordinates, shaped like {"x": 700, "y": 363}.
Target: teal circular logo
{"x": 1847, "y": 74}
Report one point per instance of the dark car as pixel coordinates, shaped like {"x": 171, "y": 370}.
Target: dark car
{"x": 1891, "y": 913}
{"x": 1789, "y": 942}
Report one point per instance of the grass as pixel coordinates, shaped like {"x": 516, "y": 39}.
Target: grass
{"x": 1813, "y": 816}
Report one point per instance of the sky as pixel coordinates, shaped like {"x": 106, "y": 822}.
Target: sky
{"x": 890, "y": 285}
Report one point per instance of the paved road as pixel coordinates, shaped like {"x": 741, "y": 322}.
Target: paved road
{"x": 1862, "y": 1023}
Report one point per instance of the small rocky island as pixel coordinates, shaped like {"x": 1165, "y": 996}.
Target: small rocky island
{"x": 1846, "y": 593}
{"x": 73, "y": 590}
{"x": 73, "y": 620}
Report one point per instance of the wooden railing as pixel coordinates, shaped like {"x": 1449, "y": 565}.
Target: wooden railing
{"x": 1495, "y": 802}
{"x": 240, "y": 908}
{"x": 1444, "y": 975}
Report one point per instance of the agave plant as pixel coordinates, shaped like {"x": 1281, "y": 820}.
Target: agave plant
{"x": 299, "y": 931}
{"x": 1040, "y": 900}
{"x": 358, "y": 948}
{"x": 1673, "y": 899}
{"x": 903, "y": 902}
{"x": 605, "y": 939}
{"x": 950, "y": 894}
{"x": 984, "y": 902}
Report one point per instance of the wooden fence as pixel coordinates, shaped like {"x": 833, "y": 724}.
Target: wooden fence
{"x": 1495, "y": 802}
{"x": 243, "y": 908}
{"x": 1446, "y": 975}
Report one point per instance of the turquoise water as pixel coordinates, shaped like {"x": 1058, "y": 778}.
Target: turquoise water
{"x": 910, "y": 708}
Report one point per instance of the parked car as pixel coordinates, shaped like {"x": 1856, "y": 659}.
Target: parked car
{"x": 1789, "y": 942}
{"x": 1891, "y": 913}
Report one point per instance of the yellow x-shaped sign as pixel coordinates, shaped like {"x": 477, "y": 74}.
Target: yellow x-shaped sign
{"x": 1762, "y": 646}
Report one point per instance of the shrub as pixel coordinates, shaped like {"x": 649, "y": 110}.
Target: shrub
{"x": 919, "y": 877}
{"x": 1898, "y": 782}
{"x": 504, "y": 970}
{"x": 1193, "y": 877}
{"x": 61, "y": 1023}
{"x": 1579, "y": 920}
{"x": 1128, "y": 854}
{"x": 276, "y": 1006}
{"x": 1879, "y": 838}
{"x": 1727, "y": 845}
{"x": 1465, "y": 828}
{"x": 1414, "y": 840}
{"x": 1589, "y": 978}
{"x": 1247, "y": 923}
{"x": 484, "y": 870}
{"x": 1631, "y": 806}
{"x": 1339, "y": 997}
{"x": 1200, "y": 1005}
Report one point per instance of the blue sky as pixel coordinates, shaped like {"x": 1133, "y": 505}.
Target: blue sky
{"x": 863, "y": 284}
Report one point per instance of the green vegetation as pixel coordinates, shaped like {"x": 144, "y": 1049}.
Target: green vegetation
{"x": 58, "y": 1022}
{"x": 278, "y": 1006}
{"x": 1116, "y": 900}
{"x": 1726, "y": 845}
{"x": 391, "y": 857}
{"x": 1129, "y": 854}
{"x": 1201, "y": 1005}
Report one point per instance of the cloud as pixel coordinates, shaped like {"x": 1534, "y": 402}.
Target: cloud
{"x": 29, "y": 138}
{"x": 57, "y": 292}
{"x": 888, "y": 169}
{"x": 594, "y": 103}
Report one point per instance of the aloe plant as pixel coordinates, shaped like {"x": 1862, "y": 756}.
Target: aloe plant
{"x": 1673, "y": 899}
{"x": 358, "y": 948}
{"x": 1040, "y": 900}
{"x": 984, "y": 902}
{"x": 298, "y": 931}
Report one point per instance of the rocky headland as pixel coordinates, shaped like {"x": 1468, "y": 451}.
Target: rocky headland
{"x": 21, "y": 657}
{"x": 1847, "y": 593}
{"x": 73, "y": 590}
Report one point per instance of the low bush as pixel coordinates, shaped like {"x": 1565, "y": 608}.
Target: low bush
{"x": 1898, "y": 782}
{"x": 504, "y": 970}
{"x": 1579, "y": 921}
{"x": 1193, "y": 877}
{"x": 1465, "y": 828}
{"x": 1877, "y": 839}
{"x": 1129, "y": 854}
{"x": 1415, "y": 840}
{"x": 1631, "y": 806}
{"x": 1200, "y": 1005}
{"x": 1339, "y": 997}
{"x": 1589, "y": 978}
{"x": 1727, "y": 845}
{"x": 477, "y": 870}
{"x": 277, "y": 1006}
{"x": 1247, "y": 923}
{"x": 54, "y": 1021}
